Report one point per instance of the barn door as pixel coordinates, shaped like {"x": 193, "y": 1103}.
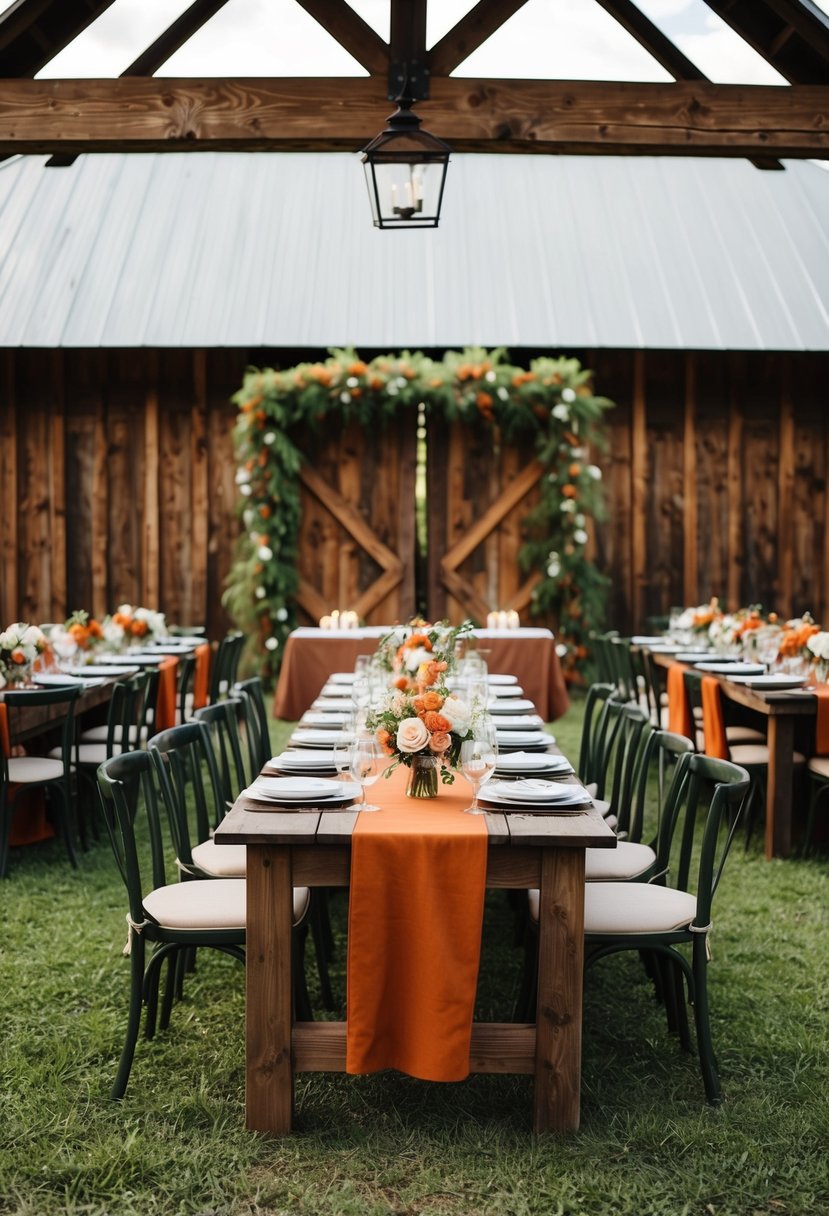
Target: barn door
{"x": 357, "y": 531}
{"x": 479, "y": 491}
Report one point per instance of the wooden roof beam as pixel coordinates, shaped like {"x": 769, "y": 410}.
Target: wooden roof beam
{"x": 174, "y": 37}
{"x": 691, "y": 118}
{"x": 471, "y": 31}
{"x": 803, "y": 57}
{"x": 408, "y": 67}
{"x": 33, "y": 31}
{"x": 353, "y": 34}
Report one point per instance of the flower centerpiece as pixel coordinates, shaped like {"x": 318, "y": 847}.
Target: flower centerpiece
{"x": 20, "y": 644}
{"x": 78, "y": 636}
{"x": 130, "y": 626}
{"x": 403, "y": 650}
{"x": 794, "y": 642}
{"x": 422, "y": 725}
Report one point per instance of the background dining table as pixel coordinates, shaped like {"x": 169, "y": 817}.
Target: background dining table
{"x": 312, "y": 654}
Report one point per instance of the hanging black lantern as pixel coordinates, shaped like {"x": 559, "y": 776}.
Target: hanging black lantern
{"x": 405, "y": 172}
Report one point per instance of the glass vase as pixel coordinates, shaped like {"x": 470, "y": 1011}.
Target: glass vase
{"x": 423, "y": 777}
{"x": 18, "y": 673}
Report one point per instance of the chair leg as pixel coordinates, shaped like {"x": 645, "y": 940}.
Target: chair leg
{"x": 169, "y": 990}
{"x": 755, "y": 804}
{"x": 5, "y": 828}
{"x": 527, "y": 997}
{"x": 65, "y": 824}
{"x": 302, "y": 1002}
{"x": 323, "y": 944}
{"x": 705, "y": 1046}
{"x": 152, "y": 976}
{"x": 681, "y": 1007}
{"x": 134, "y": 1020}
{"x": 819, "y": 788}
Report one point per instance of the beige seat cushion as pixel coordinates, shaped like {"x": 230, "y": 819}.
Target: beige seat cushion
{"x": 636, "y": 907}
{"x": 627, "y": 860}
{"x": 820, "y": 766}
{"x": 743, "y": 734}
{"x": 27, "y": 770}
{"x": 98, "y": 734}
{"x": 220, "y": 860}
{"x": 757, "y": 754}
{"x": 202, "y": 904}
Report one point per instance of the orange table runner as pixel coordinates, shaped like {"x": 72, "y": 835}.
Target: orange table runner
{"x": 821, "y": 691}
{"x": 418, "y": 876}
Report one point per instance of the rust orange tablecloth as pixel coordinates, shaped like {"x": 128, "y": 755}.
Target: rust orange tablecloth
{"x": 418, "y": 874}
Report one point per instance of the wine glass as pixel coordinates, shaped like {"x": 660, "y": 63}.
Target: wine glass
{"x": 342, "y": 755}
{"x": 767, "y": 645}
{"x": 478, "y": 757}
{"x": 365, "y": 766}
{"x": 64, "y": 645}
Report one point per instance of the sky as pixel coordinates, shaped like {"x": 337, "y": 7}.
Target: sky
{"x": 558, "y": 39}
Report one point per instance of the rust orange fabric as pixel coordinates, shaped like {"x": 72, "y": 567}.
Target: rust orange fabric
{"x": 418, "y": 876}
{"x": 165, "y": 706}
{"x": 821, "y": 691}
{"x": 713, "y": 720}
{"x": 29, "y": 823}
{"x": 201, "y": 676}
{"x": 679, "y": 713}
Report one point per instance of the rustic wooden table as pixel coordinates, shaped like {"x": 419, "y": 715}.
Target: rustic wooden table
{"x": 782, "y": 711}
{"x": 29, "y": 722}
{"x": 313, "y": 848}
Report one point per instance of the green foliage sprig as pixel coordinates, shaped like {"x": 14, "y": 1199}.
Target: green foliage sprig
{"x": 551, "y": 402}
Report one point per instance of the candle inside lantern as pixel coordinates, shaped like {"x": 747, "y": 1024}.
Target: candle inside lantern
{"x": 326, "y": 622}
{"x": 512, "y": 619}
{"x": 492, "y": 620}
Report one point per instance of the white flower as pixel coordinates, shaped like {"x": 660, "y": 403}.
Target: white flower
{"x": 271, "y": 643}
{"x": 561, "y": 412}
{"x": 412, "y": 735}
{"x": 580, "y": 536}
{"x": 553, "y": 570}
{"x": 353, "y": 382}
{"x": 502, "y": 393}
{"x": 8, "y": 639}
{"x": 594, "y": 471}
{"x": 261, "y": 593}
{"x": 579, "y": 521}
{"x": 490, "y": 376}
{"x": 242, "y": 477}
{"x": 457, "y": 713}
{"x": 414, "y": 657}
{"x": 282, "y": 614}
{"x": 33, "y": 637}
{"x": 246, "y": 489}
{"x": 124, "y": 609}
{"x": 269, "y": 437}
{"x": 265, "y": 553}
{"x": 113, "y": 633}
{"x": 345, "y": 398}
{"x": 249, "y": 515}
{"x": 818, "y": 643}
{"x": 567, "y": 506}
{"x": 568, "y": 395}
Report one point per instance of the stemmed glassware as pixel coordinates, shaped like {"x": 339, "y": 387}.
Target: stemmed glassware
{"x": 477, "y": 759}
{"x": 365, "y": 766}
{"x": 64, "y": 645}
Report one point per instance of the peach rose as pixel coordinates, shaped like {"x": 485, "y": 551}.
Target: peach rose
{"x": 412, "y": 735}
{"x": 436, "y": 722}
{"x": 431, "y": 700}
{"x": 440, "y": 742}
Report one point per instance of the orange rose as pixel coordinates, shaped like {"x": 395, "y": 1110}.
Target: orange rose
{"x": 574, "y": 470}
{"x": 431, "y": 700}
{"x": 384, "y": 739}
{"x": 402, "y": 683}
{"x": 436, "y": 722}
{"x": 138, "y": 628}
{"x": 440, "y": 742}
{"x": 569, "y": 491}
{"x": 17, "y": 656}
{"x": 357, "y": 369}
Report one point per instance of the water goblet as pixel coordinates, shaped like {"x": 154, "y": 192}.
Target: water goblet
{"x": 342, "y": 755}
{"x": 478, "y": 757}
{"x": 366, "y": 765}
{"x": 64, "y": 645}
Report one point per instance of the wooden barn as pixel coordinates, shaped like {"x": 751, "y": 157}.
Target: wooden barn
{"x": 138, "y": 282}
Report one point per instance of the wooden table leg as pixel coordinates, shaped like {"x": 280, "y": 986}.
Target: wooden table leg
{"x": 560, "y": 975}
{"x": 269, "y": 1081}
{"x": 779, "y": 792}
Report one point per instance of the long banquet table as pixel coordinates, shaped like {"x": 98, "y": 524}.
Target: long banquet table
{"x": 311, "y": 654}
{"x": 313, "y": 848}
{"x": 782, "y": 710}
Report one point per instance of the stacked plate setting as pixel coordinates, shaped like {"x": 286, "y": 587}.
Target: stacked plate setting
{"x": 529, "y": 764}
{"x": 515, "y": 740}
{"x": 316, "y": 763}
{"x": 302, "y": 791}
{"x": 531, "y": 795}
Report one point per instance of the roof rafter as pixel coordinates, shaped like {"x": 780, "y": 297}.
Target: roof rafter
{"x": 790, "y": 36}
{"x": 33, "y": 31}
{"x": 470, "y": 32}
{"x": 353, "y": 34}
{"x": 174, "y": 37}
{"x": 691, "y": 118}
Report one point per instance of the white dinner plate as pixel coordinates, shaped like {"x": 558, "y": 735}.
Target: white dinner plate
{"x": 297, "y": 791}
{"x": 93, "y": 671}
{"x": 341, "y": 705}
{"x": 509, "y": 690}
{"x": 338, "y": 692}
{"x": 518, "y": 721}
{"x": 48, "y": 679}
{"x": 518, "y": 763}
{"x": 569, "y": 798}
{"x": 332, "y": 721}
{"x": 533, "y": 790}
{"x": 648, "y": 639}
{"x": 301, "y": 760}
{"x": 517, "y": 706}
{"x": 778, "y": 682}
{"x": 502, "y": 678}
{"x": 135, "y": 660}
{"x": 315, "y": 738}
{"x": 513, "y": 739}
{"x": 692, "y": 656}
{"x": 733, "y": 669}
{"x": 342, "y": 677}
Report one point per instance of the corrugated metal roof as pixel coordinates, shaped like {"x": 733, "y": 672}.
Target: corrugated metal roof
{"x": 278, "y": 250}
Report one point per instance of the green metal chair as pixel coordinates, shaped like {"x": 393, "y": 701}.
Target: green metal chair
{"x": 656, "y": 919}
{"x": 51, "y": 773}
{"x": 225, "y": 665}
{"x": 168, "y": 918}
{"x": 256, "y": 721}
{"x": 224, "y": 721}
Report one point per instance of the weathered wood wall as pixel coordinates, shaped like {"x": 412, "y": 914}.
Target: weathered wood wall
{"x": 117, "y": 483}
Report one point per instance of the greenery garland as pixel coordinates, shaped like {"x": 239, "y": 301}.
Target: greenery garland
{"x": 552, "y": 402}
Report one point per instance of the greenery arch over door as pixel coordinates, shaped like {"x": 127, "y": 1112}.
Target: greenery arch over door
{"x": 553, "y": 401}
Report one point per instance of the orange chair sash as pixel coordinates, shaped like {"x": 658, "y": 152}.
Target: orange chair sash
{"x": 418, "y": 876}
{"x": 821, "y": 691}
{"x": 165, "y": 706}
{"x": 713, "y": 720}
{"x": 679, "y": 713}
{"x": 201, "y": 676}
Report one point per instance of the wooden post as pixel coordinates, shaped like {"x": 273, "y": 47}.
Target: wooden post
{"x": 690, "y": 503}
{"x": 785, "y": 496}
{"x": 557, "y": 1097}
{"x": 199, "y": 490}
{"x": 734, "y": 492}
{"x": 639, "y": 491}
{"x": 9, "y": 591}
{"x": 150, "y": 554}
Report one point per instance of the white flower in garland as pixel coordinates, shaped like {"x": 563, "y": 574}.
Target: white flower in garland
{"x": 561, "y": 412}
{"x": 269, "y": 438}
{"x": 271, "y": 643}
{"x": 282, "y": 614}
{"x": 568, "y": 506}
{"x": 594, "y": 471}
{"x": 242, "y": 477}
{"x": 265, "y": 553}
{"x": 580, "y": 536}
{"x": 554, "y": 566}
{"x": 568, "y": 395}
{"x": 261, "y": 593}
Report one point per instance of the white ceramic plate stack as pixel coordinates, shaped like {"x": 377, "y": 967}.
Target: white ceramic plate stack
{"x": 518, "y": 721}
{"x": 339, "y": 692}
{"x": 733, "y": 669}
{"x": 527, "y": 764}
{"x": 777, "y": 682}
{"x": 318, "y": 763}
{"x": 518, "y": 705}
{"x": 693, "y": 656}
{"x": 513, "y": 740}
{"x": 509, "y": 690}
{"x": 314, "y": 737}
{"x": 328, "y": 720}
{"x": 302, "y": 791}
{"x": 336, "y": 705}
{"x": 93, "y": 671}
{"x": 46, "y": 679}
{"x": 342, "y": 677}
{"x": 535, "y": 796}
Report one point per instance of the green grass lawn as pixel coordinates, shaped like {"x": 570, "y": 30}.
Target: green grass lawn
{"x": 387, "y": 1144}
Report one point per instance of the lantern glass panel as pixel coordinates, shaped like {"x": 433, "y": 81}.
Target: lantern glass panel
{"x": 404, "y": 194}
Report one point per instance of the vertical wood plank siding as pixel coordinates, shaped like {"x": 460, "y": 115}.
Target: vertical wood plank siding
{"x": 117, "y": 483}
